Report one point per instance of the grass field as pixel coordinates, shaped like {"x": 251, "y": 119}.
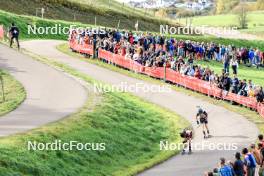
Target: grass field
{"x": 73, "y": 11}
{"x": 244, "y": 72}
{"x": 117, "y": 6}
{"x": 14, "y": 93}
{"x": 130, "y": 127}
{"x": 255, "y": 21}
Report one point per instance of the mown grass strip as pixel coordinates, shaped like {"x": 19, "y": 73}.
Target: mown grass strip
{"x": 131, "y": 128}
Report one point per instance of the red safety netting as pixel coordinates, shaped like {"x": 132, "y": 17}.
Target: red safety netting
{"x": 81, "y": 48}
{"x": 172, "y": 76}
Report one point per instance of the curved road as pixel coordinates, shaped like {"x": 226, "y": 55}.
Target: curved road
{"x": 226, "y": 126}
{"x": 51, "y": 94}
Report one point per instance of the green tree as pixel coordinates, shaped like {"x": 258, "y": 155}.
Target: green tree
{"x": 242, "y": 16}
{"x": 260, "y": 5}
{"x": 220, "y": 6}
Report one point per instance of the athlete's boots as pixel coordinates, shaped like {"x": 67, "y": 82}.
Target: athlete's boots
{"x": 190, "y": 149}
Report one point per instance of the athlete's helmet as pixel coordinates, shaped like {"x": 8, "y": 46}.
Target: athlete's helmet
{"x": 200, "y": 111}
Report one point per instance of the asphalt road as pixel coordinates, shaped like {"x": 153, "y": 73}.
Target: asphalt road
{"x": 51, "y": 94}
{"x": 227, "y": 128}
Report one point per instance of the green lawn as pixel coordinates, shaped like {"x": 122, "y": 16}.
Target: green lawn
{"x": 130, "y": 127}
{"x": 116, "y": 6}
{"x": 244, "y": 72}
{"x": 255, "y": 21}
{"x": 14, "y": 93}
{"x": 72, "y": 11}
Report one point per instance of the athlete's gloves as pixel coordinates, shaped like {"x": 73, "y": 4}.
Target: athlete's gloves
{"x": 197, "y": 122}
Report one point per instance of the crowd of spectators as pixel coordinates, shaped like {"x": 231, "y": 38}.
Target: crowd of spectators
{"x": 247, "y": 163}
{"x": 158, "y": 51}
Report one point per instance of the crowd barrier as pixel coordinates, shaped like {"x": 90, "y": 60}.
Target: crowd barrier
{"x": 172, "y": 76}
{"x": 1, "y": 32}
{"x": 83, "y": 49}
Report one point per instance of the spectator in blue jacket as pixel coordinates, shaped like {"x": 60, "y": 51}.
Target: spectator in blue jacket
{"x": 250, "y": 162}
{"x": 251, "y": 56}
{"x": 225, "y": 170}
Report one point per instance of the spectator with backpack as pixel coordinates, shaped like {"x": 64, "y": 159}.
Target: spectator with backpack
{"x": 250, "y": 162}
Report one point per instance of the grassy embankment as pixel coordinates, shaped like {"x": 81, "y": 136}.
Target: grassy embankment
{"x": 14, "y": 93}
{"x": 130, "y": 127}
{"x": 85, "y": 12}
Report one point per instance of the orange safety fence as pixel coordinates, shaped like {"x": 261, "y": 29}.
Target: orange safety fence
{"x": 1, "y": 32}
{"x": 172, "y": 76}
{"x": 81, "y": 48}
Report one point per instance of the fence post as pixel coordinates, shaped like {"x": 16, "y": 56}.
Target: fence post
{"x": 94, "y": 47}
{"x": 164, "y": 65}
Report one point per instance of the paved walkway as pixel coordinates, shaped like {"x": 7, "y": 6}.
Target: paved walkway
{"x": 51, "y": 94}
{"x": 226, "y": 126}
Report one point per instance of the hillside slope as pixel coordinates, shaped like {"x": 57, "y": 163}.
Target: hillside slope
{"x": 85, "y": 13}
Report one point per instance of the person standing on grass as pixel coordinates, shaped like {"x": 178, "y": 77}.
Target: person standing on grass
{"x": 234, "y": 65}
{"x": 235, "y": 84}
{"x": 262, "y": 58}
{"x": 223, "y": 52}
{"x": 251, "y": 56}
{"x": 227, "y": 81}
{"x": 249, "y": 162}
{"x": 226, "y": 63}
{"x": 257, "y": 58}
{"x": 14, "y": 34}
{"x": 244, "y": 55}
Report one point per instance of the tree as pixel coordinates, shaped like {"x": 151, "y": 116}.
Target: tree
{"x": 220, "y": 6}
{"x": 161, "y": 13}
{"x": 242, "y": 17}
{"x": 260, "y": 5}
